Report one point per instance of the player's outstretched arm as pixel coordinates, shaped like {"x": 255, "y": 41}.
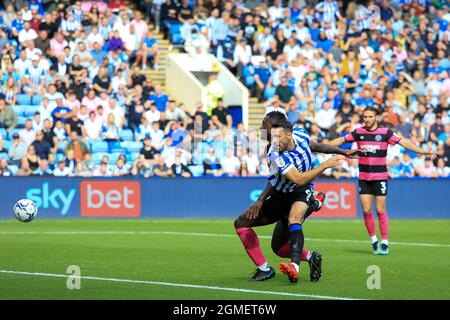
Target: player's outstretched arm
{"x": 305, "y": 177}
{"x": 411, "y": 146}
{"x": 337, "y": 142}
{"x": 253, "y": 211}
{"x": 331, "y": 149}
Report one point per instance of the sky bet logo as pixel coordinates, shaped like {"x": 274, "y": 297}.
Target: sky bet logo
{"x": 46, "y": 198}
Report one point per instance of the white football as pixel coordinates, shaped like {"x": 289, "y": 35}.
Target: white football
{"x": 25, "y": 210}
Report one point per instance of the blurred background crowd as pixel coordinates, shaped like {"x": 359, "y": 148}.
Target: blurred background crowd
{"x": 75, "y": 100}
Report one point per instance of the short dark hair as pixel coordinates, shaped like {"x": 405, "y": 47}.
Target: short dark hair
{"x": 372, "y": 109}
{"x": 286, "y": 125}
{"x": 275, "y": 117}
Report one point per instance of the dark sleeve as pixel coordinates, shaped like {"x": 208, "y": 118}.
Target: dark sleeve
{"x": 351, "y": 137}
{"x": 392, "y": 138}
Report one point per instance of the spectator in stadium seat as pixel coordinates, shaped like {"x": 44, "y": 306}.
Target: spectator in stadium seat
{"x": 121, "y": 167}
{"x": 119, "y": 114}
{"x": 442, "y": 170}
{"x": 41, "y": 145}
{"x": 131, "y": 45}
{"x": 4, "y": 169}
{"x": 436, "y": 129}
{"x": 230, "y": 164}
{"x": 93, "y": 126}
{"x": 406, "y": 166}
{"x": 10, "y": 90}
{"x": 283, "y": 91}
{"x": 17, "y": 24}
{"x": 220, "y": 115}
{"x": 274, "y": 105}
{"x": 32, "y": 157}
{"x": 395, "y": 168}
{"x": 140, "y": 26}
{"x": 150, "y": 50}
{"x": 62, "y": 170}
{"x": 149, "y": 152}
{"x": 24, "y": 169}
{"x": 242, "y": 56}
{"x": 91, "y": 101}
{"x": 157, "y": 135}
{"x": 34, "y": 78}
{"x": 102, "y": 81}
{"x": 27, "y": 34}
{"x": 77, "y": 146}
{"x": 175, "y": 113}
{"x": 75, "y": 124}
{"x": 17, "y": 150}
{"x": 143, "y": 130}
{"x": 161, "y": 169}
{"x": 115, "y": 42}
{"x": 139, "y": 168}
{"x": 159, "y": 98}
{"x": 8, "y": 118}
{"x": 428, "y": 170}
{"x": 137, "y": 77}
{"x": 211, "y": 164}
{"x": 60, "y": 112}
{"x": 180, "y": 169}
{"x": 325, "y": 117}
{"x": 43, "y": 169}
{"x": 196, "y": 44}
{"x": 27, "y": 134}
{"x": 110, "y": 130}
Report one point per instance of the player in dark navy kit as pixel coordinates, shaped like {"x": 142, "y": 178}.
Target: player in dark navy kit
{"x": 276, "y": 201}
{"x": 373, "y": 174}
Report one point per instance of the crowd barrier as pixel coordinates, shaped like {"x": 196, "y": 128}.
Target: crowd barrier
{"x": 204, "y": 197}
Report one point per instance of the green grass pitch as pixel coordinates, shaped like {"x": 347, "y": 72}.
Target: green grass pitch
{"x": 207, "y": 257}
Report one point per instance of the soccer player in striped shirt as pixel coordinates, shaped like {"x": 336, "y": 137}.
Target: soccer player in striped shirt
{"x": 265, "y": 212}
{"x": 373, "y": 174}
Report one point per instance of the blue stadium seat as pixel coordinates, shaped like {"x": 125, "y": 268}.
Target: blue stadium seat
{"x": 31, "y": 110}
{"x": 132, "y": 146}
{"x": 99, "y": 146}
{"x": 3, "y": 133}
{"x": 19, "y": 110}
{"x": 13, "y": 168}
{"x": 62, "y": 146}
{"x": 126, "y": 135}
{"x": 174, "y": 33}
{"x": 196, "y": 169}
{"x": 23, "y": 99}
{"x": 113, "y": 157}
{"x": 131, "y": 157}
{"x": 7, "y": 144}
{"x": 134, "y": 156}
{"x": 97, "y": 157}
{"x": 21, "y": 121}
{"x": 12, "y": 132}
{"x": 36, "y": 100}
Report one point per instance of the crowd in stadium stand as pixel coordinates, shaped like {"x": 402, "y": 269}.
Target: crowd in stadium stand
{"x": 75, "y": 102}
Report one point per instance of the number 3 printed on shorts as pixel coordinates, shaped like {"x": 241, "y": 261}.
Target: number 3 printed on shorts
{"x": 383, "y": 187}
{"x": 309, "y": 194}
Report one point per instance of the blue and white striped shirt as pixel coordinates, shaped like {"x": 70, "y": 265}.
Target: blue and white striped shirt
{"x": 330, "y": 11}
{"x": 280, "y": 163}
{"x": 35, "y": 75}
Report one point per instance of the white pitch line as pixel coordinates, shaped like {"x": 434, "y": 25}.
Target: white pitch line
{"x": 183, "y": 285}
{"x": 201, "y": 234}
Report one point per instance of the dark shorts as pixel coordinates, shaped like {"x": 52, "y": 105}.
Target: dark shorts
{"x": 376, "y": 187}
{"x": 278, "y": 205}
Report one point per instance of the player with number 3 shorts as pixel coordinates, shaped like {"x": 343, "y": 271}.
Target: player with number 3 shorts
{"x": 373, "y": 173}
